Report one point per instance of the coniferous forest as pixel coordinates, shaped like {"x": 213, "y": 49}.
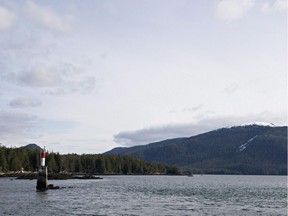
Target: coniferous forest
{"x": 14, "y": 159}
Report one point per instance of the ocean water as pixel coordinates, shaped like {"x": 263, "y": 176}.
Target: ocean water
{"x": 148, "y": 195}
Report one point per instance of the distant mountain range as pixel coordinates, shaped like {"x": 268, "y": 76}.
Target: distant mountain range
{"x": 245, "y": 149}
{"x": 33, "y": 146}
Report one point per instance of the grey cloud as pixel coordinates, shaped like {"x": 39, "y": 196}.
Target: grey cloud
{"x": 277, "y": 6}
{"x": 30, "y": 46}
{"x": 192, "y": 109}
{"x": 236, "y": 9}
{"x": 7, "y": 18}
{"x": 46, "y": 17}
{"x": 84, "y": 86}
{"x": 233, "y": 10}
{"x": 196, "y": 108}
{"x": 154, "y": 134}
{"x": 87, "y": 84}
{"x": 24, "y": 102}
{"x": 14, "y": 125}
{"x": 66, "y": 79}
{"x": 231, "y": 88}
{"x": 37, "y": 78}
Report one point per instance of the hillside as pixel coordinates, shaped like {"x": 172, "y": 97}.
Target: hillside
{"x": 33, "y": 147}
{"x": 248, "y": 149}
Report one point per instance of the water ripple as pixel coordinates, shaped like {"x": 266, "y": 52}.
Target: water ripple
{"x": 149, "y": 195}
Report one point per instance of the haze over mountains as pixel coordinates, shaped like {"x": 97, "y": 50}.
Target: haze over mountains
{"x": 246, "y": 149}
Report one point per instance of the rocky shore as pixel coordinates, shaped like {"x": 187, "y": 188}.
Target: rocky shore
{"x": 51, "y": 176}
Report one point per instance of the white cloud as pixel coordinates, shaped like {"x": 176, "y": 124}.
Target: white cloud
{"x": 46, "y": 17}
{"x": 229, "y": 10}
{"x": 7, "y": 18}
{"x": 159, "y": 133}
{"x": 280, "y": 5}
{"x": 277, "y": 6}
{"x": 24, "y": 102}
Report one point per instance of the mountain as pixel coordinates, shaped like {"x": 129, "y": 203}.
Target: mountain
{"x": 246, "y": 149}
{"x": 33, "y": 147}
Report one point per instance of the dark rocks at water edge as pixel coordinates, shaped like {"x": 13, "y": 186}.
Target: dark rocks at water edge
{"x": 52, "y": 187}
{"x": 51, "y": 176}
{"x": 86, "y": 177}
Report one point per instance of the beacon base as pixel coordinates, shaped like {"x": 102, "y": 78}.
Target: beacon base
{"x": 42, "y": 181}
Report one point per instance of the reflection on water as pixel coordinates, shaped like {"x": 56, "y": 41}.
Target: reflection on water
{"x": 148, "y": 195}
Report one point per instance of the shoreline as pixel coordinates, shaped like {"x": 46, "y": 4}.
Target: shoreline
{"x": 65, "y": 176}
{"x": 51, "y": 176}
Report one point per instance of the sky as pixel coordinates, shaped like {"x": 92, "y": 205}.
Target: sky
{"x": 88, "y": 76}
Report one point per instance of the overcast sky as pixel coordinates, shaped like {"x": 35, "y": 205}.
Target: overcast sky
{"x": 88, "y": 76}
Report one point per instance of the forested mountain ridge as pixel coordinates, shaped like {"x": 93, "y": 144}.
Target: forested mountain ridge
{"x": 249, "y": 149}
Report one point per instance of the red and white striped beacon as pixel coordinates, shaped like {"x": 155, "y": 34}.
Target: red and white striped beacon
{"x": 43, "y": 157}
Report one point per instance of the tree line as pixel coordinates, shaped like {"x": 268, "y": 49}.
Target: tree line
{"x": 16, "y": 159}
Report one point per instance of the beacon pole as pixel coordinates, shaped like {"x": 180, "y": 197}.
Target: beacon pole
{"x": 43, "y": 157}
{"x": 42, "y": 181}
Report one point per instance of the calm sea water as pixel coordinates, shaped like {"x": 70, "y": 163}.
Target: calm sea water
{"x": 149, "y": 195}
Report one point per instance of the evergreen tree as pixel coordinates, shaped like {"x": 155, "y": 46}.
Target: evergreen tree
{"x": 3, "y": 162}
{"x": 51, "y": 163}
{"x": 15, "y": 164}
